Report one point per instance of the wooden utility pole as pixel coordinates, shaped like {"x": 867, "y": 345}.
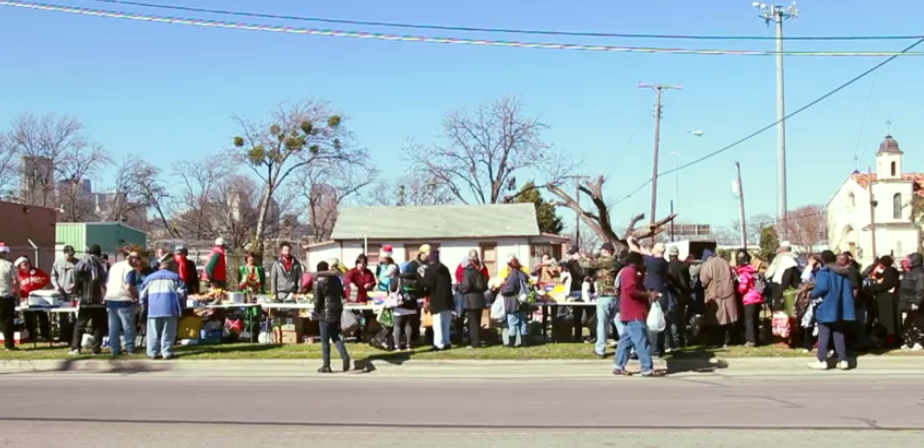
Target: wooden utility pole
{"x": 577, "y": 198}
{"x": 744, "y": 227}
{"x": 659, "y": 90}
{"x": 872, "y": 210}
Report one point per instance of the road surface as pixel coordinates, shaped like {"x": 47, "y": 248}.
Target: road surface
{"x": 115, "y": 411}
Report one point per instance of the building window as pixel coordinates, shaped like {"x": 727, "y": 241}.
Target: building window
{"x": 373, "y": 254}
{"x": 851, "y": 202}
{"x": 897, "y": 206}
{"x": 489, "y": 257}
{"x": 893, "y": 169}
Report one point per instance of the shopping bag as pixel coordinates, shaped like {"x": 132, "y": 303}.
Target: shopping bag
{"x": 781, "y": 325}
{"x": 348, "y": 322}
{"x": 498, "y": 311}
{"x": 656, "y": 322}
{"x": 386, "y": 318}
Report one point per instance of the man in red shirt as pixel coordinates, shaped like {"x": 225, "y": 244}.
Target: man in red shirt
{"x": 634, "y": 304}
{"x": 33, "y": 279}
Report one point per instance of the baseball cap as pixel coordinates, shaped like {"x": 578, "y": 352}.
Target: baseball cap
{"x": 609, "y": 247}
{"x": 219, "y": 241}
{"x": 573, "y": 250}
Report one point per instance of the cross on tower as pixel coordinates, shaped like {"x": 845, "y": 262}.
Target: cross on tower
{"x": 888, "y": 127}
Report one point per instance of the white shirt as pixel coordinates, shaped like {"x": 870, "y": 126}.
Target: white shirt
{"x": 117, "y": 283}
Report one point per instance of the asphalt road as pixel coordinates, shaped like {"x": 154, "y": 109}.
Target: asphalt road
{"x": 113, "y": 410}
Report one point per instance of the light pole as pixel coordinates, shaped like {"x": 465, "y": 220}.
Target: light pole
{"x": 676, "y": 154}
{"x": 777, "y": 14}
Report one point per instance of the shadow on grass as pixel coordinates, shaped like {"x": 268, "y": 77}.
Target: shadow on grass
{"x": 219, "y": 349}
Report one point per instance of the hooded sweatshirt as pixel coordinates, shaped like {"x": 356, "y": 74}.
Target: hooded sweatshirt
{"x": 747, "y": 277}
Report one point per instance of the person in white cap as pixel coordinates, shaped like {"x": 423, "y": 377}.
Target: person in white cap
{"x": 8, "y": 293}
{"x": 216, "y": 270}
{"x": 782, "y": 273}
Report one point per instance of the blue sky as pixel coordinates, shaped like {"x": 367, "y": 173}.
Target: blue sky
{"x": 164, "y": 92}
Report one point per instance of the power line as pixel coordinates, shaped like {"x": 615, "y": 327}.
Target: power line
{"x": 772, "y": 125}
{"x": 428, "y": 39}
{"x": 496, "y": 30}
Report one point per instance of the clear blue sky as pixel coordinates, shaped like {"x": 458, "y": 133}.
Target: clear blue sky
{"x": 165, "y": 92}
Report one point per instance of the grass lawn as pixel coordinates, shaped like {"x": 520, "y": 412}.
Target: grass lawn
{"x": 567, "y": 351}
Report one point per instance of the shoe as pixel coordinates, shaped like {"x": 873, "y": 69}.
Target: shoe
{"x": 325, "y": 369}
{"x": 818, "y": 365}
{"x": 843, "y": 365}
{"x": 470, "y": 347}
{"x": 621, "y": 371}
{"x": 73, "y": 353}
{"x": 598, "y": 355}
{"x": 750, "y": 345}
{"x": 169, "y": 357}
{"x": 346, "y": 365}
{"x": 668, "y": 351}
{"x": 917, "y": 348}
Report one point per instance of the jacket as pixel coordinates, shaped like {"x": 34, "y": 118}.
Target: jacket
{"x": 472, "y": 287}
{"x": 678, "y": 277}
{"x": 604, "y": 272}
{"x": 510, "y": 291}
{"x": 163, "y": 294}
{"x": 833, "y": 287}
{"x": 460, "y": 270}
{"x": 438, "y": 283}
{"x": 254, "y": 281}
{"x": 62, "y": 275}
{"x": 328, "y": 296}
{"x": 747, "y": 277}
{"x": 90, "y": 280}
{"x": 34, "y": 280}
{"x": 284, "y": 281}
{"x": 358, "y": 279}
{"x": 216, "y": 270}
{"x": 718, "y": 281}
{"x": 186, "y": 269}
{"x": 634, "y": 301}
{"x": 577, "y": 273}
{"x": 911, "y": 291}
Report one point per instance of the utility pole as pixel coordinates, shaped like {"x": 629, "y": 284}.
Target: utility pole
{"x": 872, "y": 209}
{"x": 577, "y": 197}
{"x": 778, "y": 14}
{"x": 744, "y": 227}
{"x": 659, "y": 90}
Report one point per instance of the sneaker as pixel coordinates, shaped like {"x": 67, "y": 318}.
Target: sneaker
{"x": 843, "y": 365}
{"x": 598, "y": 355}
{"x": 11, "y": 349}
{"x": 818, "y": 365}
{"x": 917, "y": 348}
{"x": 668, "y": 351}
{"x": 470, "y": 347}
{"x": 750, "y": 345}
{"x": 325, "y": 369}
{"x": 621, "y": 371}
{"x": 346, "y": 365}
{"x": 73, "y": 353}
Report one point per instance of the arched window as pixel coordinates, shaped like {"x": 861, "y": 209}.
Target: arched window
{"x": 851, "y": 202}
{"x": 893, "y": 169}
{"x": 897, "y": 206}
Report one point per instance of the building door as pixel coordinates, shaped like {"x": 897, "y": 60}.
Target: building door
{"x": 489, "y": 257}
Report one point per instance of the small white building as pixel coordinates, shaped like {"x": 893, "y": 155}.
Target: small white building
{"x": 495, "y": 230}
{"x": 850, "y": 218}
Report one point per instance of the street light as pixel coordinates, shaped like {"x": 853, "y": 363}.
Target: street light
{"x": 676, "y": 154}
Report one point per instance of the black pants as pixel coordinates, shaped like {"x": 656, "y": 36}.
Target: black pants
{"x": 404, "y": 326}
{"x": 722, "y": 335}
{"x": 752, "y": 323}
{"x": 43, "y": 324}
{"x": 474, "y": 327}
{"x": 7, "y": 316}
{"x": 97, "y": 319}
{"x": 578, "y": 324}
{"x": 330, "y": 332}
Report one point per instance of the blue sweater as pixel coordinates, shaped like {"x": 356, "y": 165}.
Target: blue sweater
{"x": 836, "y": 293}
{"x": 163, "y": 293}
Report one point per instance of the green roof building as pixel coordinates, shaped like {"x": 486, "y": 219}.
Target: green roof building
{"x": 111, "y": 236}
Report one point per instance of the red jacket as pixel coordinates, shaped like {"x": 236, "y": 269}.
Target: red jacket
{"x": 359, "y": 279}
{"x": 34, "y": 280}
{"x": 633, "y": 299}
{"x": 216, "y": 270}
{"x": 461, "y": 270}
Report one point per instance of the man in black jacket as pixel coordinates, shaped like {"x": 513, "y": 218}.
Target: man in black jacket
{"x": 437, "y": 281}
{"x": 859, "y": 339}
{"x": 912, "y": 304}
{"x": 328, "y": 306}
{"x": 578, "y": 274}
{"x": 678, "y": 278}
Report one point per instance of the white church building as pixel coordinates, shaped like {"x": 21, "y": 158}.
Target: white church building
{"x": 849, "y": 216}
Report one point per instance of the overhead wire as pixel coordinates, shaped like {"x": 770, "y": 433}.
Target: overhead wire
{"x": 498, "y": 30}
{"x": 431, "y": 39}
{"x": 772, "y": 125}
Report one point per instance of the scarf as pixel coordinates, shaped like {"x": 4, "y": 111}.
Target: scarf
{"x": 287, "y": 263}
{"x": 182, "y": 263}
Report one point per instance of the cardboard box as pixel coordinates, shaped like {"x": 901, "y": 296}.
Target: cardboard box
{"x": 307, "y": 327}
{"x": 290, "y": 337}
{"x": 189, "y": 327}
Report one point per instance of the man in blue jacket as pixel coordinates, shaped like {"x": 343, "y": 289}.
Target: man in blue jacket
{"x": 834, "y": 311}
{"x": 163, "y": 294}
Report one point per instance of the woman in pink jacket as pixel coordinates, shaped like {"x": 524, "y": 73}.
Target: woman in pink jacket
{"x": 752, "y": 298}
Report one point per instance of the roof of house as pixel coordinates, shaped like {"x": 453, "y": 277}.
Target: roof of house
{"x": 864, "y": 179}
{"x": 442, "y": 221}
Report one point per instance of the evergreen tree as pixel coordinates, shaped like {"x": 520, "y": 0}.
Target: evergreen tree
{"x": 549, "y": 221}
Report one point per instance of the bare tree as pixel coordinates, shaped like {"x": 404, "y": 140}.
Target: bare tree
{"x": 199, "y": 183}
{"x": 481, "y": 152}
{"x": 806, "y": 226}
{"x": 8, "y": 174}
{"x": 754, "y": 224}
{"x": 598, "y": 219}
{"x": 234, "y": 207}
{"x": 295, "y": 136}
{"x": 77, "y": 164}
{"x": 53, "y": 149}
{"x": 408, "y": 190}
{"x": 325, "y": 185}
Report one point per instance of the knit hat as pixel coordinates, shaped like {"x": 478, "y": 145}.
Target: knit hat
{"x": 388, "y": 249}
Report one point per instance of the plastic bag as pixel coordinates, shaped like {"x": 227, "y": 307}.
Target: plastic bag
{"x": 348, "y": 322}
{"x": 498, "y": 311}
{"x": 656, "y": 321}
{"x": 781, "y": 325}
{"x": 386, "y": 318}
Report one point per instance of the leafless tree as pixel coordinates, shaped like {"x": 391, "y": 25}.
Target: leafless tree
{"x": 136, "y": 189}
{"x": 199, "y": 183}
{"x": 295, "y": 136}
{"x": 8, "y": 174}
{"x": 234, "y": 208}
{"x": 598, "y": 219}
{"x": 481, "y": 152}
{"x": 408, "y": 190}
{"x": 326, "y": 184}
{"x": 806, "y": 226}
{"x": 753, "y": 225}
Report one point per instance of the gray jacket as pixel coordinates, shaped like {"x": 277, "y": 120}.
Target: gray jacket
{"x": 285, "y": 282}
{"x": 62, "y": 275}
{"x": 90, "y": 280}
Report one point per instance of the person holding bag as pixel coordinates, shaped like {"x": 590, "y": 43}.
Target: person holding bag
{"x": 635, "y": 304}
{"x": 515, "y": 308}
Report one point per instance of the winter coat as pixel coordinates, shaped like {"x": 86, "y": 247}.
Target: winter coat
{"x": 718, "y": 279}
{"x": 34, "y": 280}
{"x": 438, "y": 283}
{"x": 359, "y": 279}
{"x": 460, "y": 270}
{"x": 678, "y": 277}
{"x": 747, "y": 279}
{"x": 911, "y": 291}
{"x": 62, "y": 275}
{"x": 285, "y": 281}
{"x": 163, "y": 294}
{"x": 883, "y": 289}
{"x": 472, "y": 287}
{"x": 90, "y": 280}
{"x": 510, "y": 291}
{"x": 216, "y": 270}
{"x": 578, "y": 273}
{"x": 328, "y": 296}
{"x": 833, "y": 286}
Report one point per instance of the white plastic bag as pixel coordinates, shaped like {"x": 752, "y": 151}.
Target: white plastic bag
{"x": 656, "y": 322}
{"x": 498, "y": 311}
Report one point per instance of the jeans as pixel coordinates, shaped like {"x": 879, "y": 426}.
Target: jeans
{"x": 441, "y": 324}
{"x": 516, "y": 328}
{"x": 7, "y": 316}
{"x": 826, "y": 331}
{"x": 161, "y": 336}
{"x": 85, "y": 315}
{"x": 121, "y": 323}
{"x": 403, "y": 325}
{"x": 635, "y": 336}
{"x": 474, "y": 327}
{"x": 330, "y": 332}
{"x": 752, "y": 323}
{"x": 606, "y": 309}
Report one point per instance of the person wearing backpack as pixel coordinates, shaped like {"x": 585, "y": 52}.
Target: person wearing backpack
{"x": 750, "y": 288}
{"x": 328, "y": 307}
{"x": 472, "y": 287}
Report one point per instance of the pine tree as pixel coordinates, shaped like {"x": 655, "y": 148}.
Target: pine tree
{"x": 549, "y": 221}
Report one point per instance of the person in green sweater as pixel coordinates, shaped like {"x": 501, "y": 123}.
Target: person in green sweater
{"x": 252, "y": 278}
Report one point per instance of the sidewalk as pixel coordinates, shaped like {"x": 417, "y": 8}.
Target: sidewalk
{"x": 891, "y": 365}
